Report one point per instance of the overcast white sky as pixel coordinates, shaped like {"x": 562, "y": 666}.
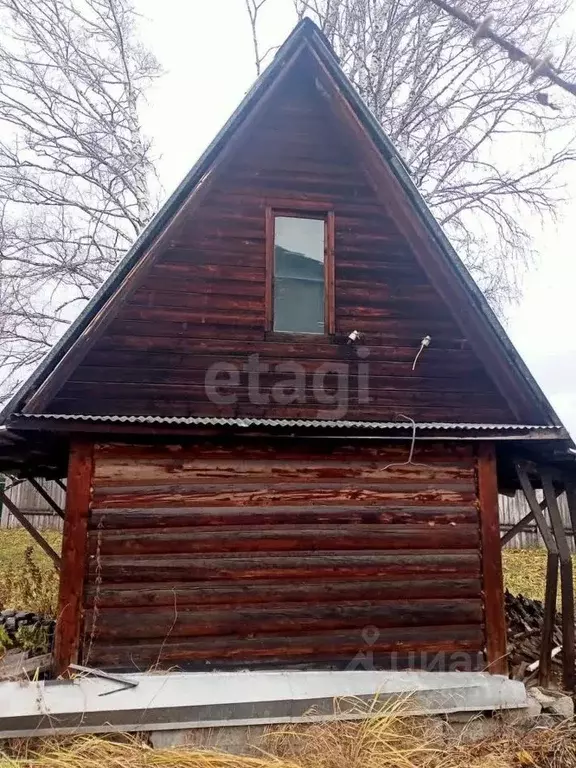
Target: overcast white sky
{"x": 204, "y": 47}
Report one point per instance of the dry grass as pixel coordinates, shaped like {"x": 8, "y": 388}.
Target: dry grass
{"x": 386, "y": 741}
{"x": 525, "y": 571}
{"x": 28, "y": 579}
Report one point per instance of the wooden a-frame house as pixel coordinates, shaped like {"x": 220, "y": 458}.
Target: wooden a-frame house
{"x": 286, "y": 416}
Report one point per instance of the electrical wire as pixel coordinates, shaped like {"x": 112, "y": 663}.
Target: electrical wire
{"x": 409, "y": 461}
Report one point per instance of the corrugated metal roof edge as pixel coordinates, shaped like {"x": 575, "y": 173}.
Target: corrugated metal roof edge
{"x": 259, "y": 422}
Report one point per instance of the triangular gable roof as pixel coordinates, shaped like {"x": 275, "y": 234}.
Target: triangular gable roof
{"x": 438, "y": 257}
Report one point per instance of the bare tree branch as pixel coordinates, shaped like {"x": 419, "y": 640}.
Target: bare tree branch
{"x": 253, "y": 8}
{"x": 483, "y": 142}
{"x": 74, "y": 164}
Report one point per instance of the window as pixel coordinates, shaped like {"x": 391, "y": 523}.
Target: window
{"x": 299, "y": 280}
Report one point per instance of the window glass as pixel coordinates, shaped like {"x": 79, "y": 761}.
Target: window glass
{"x": 298, "y": 275}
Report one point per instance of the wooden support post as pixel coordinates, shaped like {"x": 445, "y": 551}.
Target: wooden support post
{"x": 551, "y": 572}
{"x": 566, "y": 583}
{"x": 549, "y": 619}
{"x": 74, "y": 551}
{"x": 495, "y": 618}
{"x": 46, "y": 496}
{"x": 25, "y": 523}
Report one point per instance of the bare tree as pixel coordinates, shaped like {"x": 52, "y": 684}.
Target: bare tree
{"x": 74, "y": 165}
{"x": 483, "y": 140}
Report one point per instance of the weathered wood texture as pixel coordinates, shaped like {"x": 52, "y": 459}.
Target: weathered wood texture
{"x": 74, "y": 556}
{"x": 223, "y": 555}
{"x": 495, "y": 618}
{"x": 35, "y": 508}
{"x": 203, "y": 300}
{"x": 515, "y": 508}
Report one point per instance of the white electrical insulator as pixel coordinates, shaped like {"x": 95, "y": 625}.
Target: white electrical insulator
{"x": 423, "y": 344}
{"x": 354, "y": 337}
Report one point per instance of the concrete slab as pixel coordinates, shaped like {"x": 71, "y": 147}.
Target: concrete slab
{"x": 214, "y": 699}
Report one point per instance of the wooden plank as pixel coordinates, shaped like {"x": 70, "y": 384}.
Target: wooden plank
{"x": 133, "y": 518}
{"x": 292, "y": 618}
{"x": 535, "y": 508}
{"x": 329, "y": 276}
{"x": 566, "y": 582}
{"x": 283, "y": 538}
{"x": 549, "y": 623}
{"x": 161, "y": 472}
{"x": 400, "y": 565}
{"x": 74, "y": 544}
{"x": 186, "y": 594}
{"x": 571, "y": 500}
{"x": 27, "y": 525}
{"x": 491, "y": 559}
{"x": 282, "y": 649}
{"x": 46, "y": 496}
{"x": 281, "y": 493}
{"x": 269, "y": 278}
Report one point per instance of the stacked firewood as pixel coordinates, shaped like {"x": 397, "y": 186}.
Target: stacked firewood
{"x": 525, "y": 618}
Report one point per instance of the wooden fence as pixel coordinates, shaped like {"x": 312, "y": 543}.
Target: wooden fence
{"x": 31, "y": 503}
{"x": 513, "y": 509}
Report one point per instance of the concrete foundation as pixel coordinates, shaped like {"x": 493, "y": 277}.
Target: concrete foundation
{"x": 183, "y": 701}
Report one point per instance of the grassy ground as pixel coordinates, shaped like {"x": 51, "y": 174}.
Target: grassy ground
{"x": 28, "y": 580}
{"x": 525, "y": 571}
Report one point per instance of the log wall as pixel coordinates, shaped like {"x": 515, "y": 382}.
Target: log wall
{"x": 223, "y": 555}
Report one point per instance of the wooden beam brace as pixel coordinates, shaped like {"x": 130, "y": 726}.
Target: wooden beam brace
{"x": 74, "y": 553}
{"x": 46, "y": 496}
{"x": 495, "y": 619}
{"x": 61, "y": 483}
{"x": 566, "y": 582}
{"x": 520, "y": 525}
{"x": 535, "y": 508}
{"x": 25, "y": 523}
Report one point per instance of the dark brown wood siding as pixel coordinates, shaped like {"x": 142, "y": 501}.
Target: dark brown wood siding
{"x": 202, "y": 301}
{"x": 220, "y": 555}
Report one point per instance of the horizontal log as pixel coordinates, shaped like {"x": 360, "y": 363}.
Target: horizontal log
{"x": 244, "y": 622}
{"x": 121, "y": 518}
{"x": 141, "y": 335}
{"x": 437, "y": 452}
{"x": 282, "y": 493}
{"x": 167, "y": 405}
{"x": 282, "y": 538}
{"x": 460, "y": 564}
{"x": 332, "y": 395}
{"x": 142, "y": 595}
{"x": 166, "y": 470}
{"x": 116, "y": 354}
{"x": 377, "y": 388}
{"x": 304, "y": 647}
{"x": 171, "y": 333}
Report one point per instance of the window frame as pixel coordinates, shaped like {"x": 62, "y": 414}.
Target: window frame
{"x": 301, "y": 210}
